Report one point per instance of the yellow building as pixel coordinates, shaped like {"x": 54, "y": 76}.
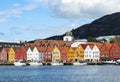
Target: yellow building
{"x": 11, "y": 55}
{"x": 56, "y": 54}
{"x": 71, "y": 54}
{"x": 79, "y": 53}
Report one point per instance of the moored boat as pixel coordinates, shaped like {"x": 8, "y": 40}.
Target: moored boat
{"x": 61, "y": 64}
{"x": 35, "y": 64}
{"x": 19, "y": 63}
{"x": 55, "y": 64}
{"x": 109, "y": 62}
{"x": 118, "y": 61}
{"x": 78, "y": 63}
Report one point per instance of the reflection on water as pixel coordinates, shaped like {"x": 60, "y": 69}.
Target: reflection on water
{"x": 103, "y": 73}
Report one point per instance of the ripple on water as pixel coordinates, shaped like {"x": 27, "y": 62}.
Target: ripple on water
{"x": 105, "y": 73}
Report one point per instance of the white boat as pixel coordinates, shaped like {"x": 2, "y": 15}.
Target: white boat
{"x": 110, "y": 62}
{"x": 55, "y": 64}
{"x": 35, "y": 64}
{"x": 118, "y": 61}
{"x": 78, "y": 63}
{"x": 19, "y": 63}
{"x": 61, "y": 64}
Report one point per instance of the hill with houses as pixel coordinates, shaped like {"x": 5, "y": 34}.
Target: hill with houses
{"x": 104, "y": 26}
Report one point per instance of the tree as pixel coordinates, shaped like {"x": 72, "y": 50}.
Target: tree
{"x": 111, "y": 40}
{"x": 91, "y": 39}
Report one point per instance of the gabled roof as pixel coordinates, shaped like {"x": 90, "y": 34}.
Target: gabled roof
{"x": 99, "y": 45}
{"x": 16, "y": 48}
{"x": 7, "y": 49}
{"x": 115, "y": 43}
{"x": 49, "y": 49}
{"x": 108, "y": 45}
{"x": 91, "y": 46}
{"x": 41, "y": 49}
{"x": 72, "y": 48}
{"x": 84, "y": 46}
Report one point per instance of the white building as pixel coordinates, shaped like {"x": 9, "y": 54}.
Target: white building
{"x": 68, "y": 37}
{"x": 35, "y": 55}
{"x": 96, "y": 53}
{"x": 41, "y": 51}
{"x": 29, "y": 54}
{"x": 88, "y": 53}
{"x": 92, "y": 53}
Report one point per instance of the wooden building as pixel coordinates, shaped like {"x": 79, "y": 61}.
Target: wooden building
{"x": 115, "y": 51}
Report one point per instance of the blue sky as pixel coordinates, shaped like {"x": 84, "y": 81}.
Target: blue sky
{"x": 39, "y": 19}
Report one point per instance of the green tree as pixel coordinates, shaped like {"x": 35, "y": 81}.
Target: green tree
{"x": 91, "y": 39}
{"x": 111, "y": 40}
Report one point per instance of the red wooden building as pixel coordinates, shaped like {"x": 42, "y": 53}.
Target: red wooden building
{"x": 23, "y": 52}
{"x": 48, "y": 54}
{"x": 105, "y": 52}
{"x": 20, "y": 53}
{"x": 63, "y": 54}
{"x": 4, "y": 54}
{"x": 115, "y": 51}
{"x": 17, "y": 54}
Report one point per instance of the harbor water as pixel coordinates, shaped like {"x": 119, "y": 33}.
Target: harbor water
{"x": 89, "y": 73}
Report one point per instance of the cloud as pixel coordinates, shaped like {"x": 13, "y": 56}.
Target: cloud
{"x": 74, "y": 9}
{"x": 16, "y": 12}
{"x": 41, "y": 32}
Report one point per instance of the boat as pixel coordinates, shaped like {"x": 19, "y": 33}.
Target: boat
{"x": 19, "y": 63}
{"x": 61, "y": 64}
{"x": 35, "y": 64}
{"x": 55, "y": 64}
{"x": 79, "y": 63}
{"x": 118, "y": 61}
{"x": 110, "y": 62}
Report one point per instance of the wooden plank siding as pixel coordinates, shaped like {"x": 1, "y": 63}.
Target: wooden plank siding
{"x": 115, "y": 51}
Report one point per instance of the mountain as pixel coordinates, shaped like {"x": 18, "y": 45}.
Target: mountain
{"x": 104, "y": 26}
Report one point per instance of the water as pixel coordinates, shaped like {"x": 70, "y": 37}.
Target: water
{"x": 103, "y": 73}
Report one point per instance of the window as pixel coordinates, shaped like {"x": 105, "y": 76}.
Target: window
{"x": 49, "y": 56}
{"x": 49, "y": 52}
{"x": 63, "y": 53}
{"x": 114, "y": 46}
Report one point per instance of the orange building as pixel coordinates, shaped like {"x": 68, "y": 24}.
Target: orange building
{"x": 64, "y": 54}
{"x": 79, "y": 53}
{"x": 11, "y": 55}
{"x": 71, "y": 54}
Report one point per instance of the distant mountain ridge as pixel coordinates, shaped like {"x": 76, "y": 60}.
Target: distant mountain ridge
{"x": 104, "y": 26}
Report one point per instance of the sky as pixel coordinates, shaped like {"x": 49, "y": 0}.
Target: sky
{"x": 39, "y": 19}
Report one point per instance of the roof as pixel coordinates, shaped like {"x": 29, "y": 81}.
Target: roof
{"x": 7, "y": 49}
{"x": 108, "y": 45}
{"x": 41, "y": 49}
{"x": 99, "y": 45}
{"x": 84, "y": 46}
{"x": 49, "y": 49}
{"x": 76, "y": 44}
{"x": 91, "y": 45}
